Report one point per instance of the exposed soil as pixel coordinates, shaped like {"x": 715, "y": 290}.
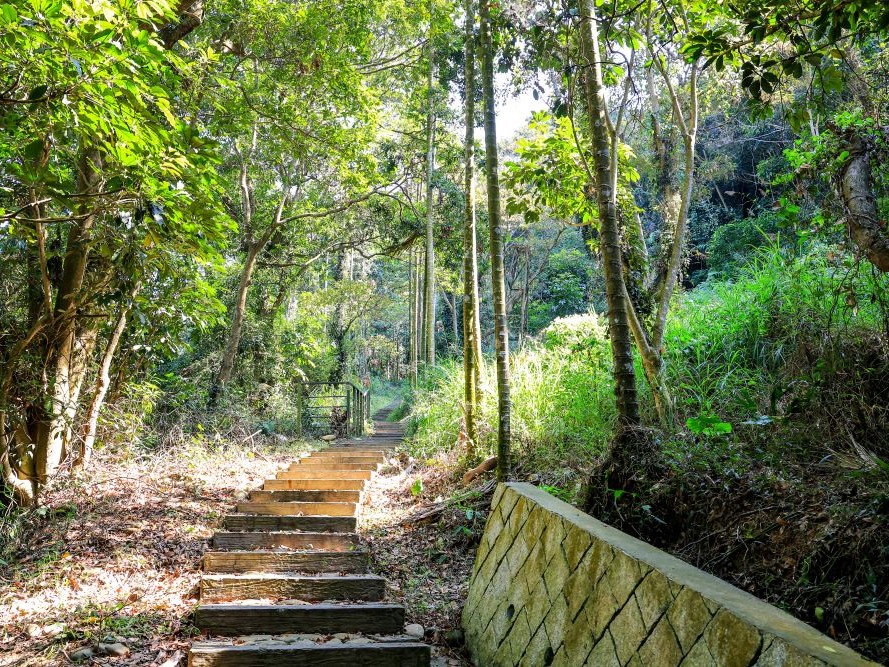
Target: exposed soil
{"x": 427, "y": 563}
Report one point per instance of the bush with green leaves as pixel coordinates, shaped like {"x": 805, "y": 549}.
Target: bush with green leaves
{"x": 734, "y": 243}
{"x": 797, "y": 330}
{"x": 753, "y": 359}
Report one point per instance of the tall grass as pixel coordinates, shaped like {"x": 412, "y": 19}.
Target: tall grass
{"x": 562, "y": 397}
{"x": 796, "y": 346}
{"x": 789, "y": 323}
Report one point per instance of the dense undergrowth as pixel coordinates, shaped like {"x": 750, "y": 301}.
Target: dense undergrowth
{"x": 775, "y": 476}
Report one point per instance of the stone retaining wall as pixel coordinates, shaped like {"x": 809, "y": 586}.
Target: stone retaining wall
{"x": 553, "y": 586}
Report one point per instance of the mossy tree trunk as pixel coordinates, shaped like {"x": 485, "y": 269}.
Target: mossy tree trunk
{"x": 472, "y": 349}
{"x": 429, "y": 277}
{"x": 615, "y": 286}
{"x": 495, "y": 228}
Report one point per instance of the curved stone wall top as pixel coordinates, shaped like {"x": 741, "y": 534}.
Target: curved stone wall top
{"x": 554, "y": 586}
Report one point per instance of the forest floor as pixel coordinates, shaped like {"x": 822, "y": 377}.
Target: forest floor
{"x": 114, "y": 559}
{"x": 427, "y": 562}
{"x": 803, "y": 531}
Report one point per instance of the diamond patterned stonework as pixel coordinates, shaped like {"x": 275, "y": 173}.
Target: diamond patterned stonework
{"x": 554, "y": 586}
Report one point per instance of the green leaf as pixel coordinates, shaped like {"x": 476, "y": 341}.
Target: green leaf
{"x": 708, "y": 425}
{"x": 8, "y": 14}
{"x": 37, "y": 92}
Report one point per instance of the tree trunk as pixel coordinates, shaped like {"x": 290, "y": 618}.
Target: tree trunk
{"x": 421, "y": 308}
{"x": 70, "y": 346}
{"x": 615, "y": 287}
{"x": 100, "y": 389}
{"x": 412, "y": 315}
{"x": 862, "y": 219}
{"x": 526, "y": 290}
{"x": 429, "y": 282}
{"x": 451, "y": 300}
{"x": 254, "y": 249}
{"x": 237, "y": 324}
{"x": 652, "y": 366}
{"x": 495, "y": 226}
{"x": 680, "y": 226}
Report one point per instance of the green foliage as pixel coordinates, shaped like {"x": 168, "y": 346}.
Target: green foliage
{"x": 552, "y": 175}
{"x": 708, "y": 426}
{"x": 779, "y": 342}
{"x": 815, "y": 164}
{"x": 565, "y": 286}
{"x": 562, "y": 398}
{"x": 579, "y": 333}
{"x": 753, "y": 359}
{"x": 734, "y": 243}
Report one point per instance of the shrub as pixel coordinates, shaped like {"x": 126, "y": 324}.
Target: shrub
{"x": 734, "y": 243}
{"x": 562, "y": 398}
{"x": 795, "y": 332}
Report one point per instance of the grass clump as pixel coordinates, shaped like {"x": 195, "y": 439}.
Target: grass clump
{"x": 562, "y": 397}
{"x": 795, "y": 349}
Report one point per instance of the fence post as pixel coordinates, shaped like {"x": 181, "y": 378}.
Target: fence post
{"x": 348, "y": 410}
{"x": 299, "y": 410}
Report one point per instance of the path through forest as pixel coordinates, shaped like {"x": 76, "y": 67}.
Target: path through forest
{"x": 288, "y": 581}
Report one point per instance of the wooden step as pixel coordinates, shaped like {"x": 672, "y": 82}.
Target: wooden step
{"x": 349, "y": 451}
{"x": 240, "y": 562}
{"x": 291, "y": 508}
{"x": 306, "y": 496}
{"x": 287, "y": 540}
{"x": 312, "y": 524}
{"x": 321, "y": 464}
{"x": 244, "y": 619}
{"x": 314, "y": 473}
{"x": 371, "y": 463}
{"x": 362, "y": 449}
{"x": 297, "y": 652}
{"x": 314, "y": 484}
{"x": 339, "y": 458}
{"x": 227, "y": 587}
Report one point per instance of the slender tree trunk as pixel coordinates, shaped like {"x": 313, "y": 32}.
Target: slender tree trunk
{"x": 100, "y": 389}
{"x": 254, "y": 249}
{"x": 421, "y": 307}
{"x": 615, "y": 287}
{"x": 429, "y": 294}
{"x": 237, "y": 324}
{"x": 495, "y": 225}
{"x": 412, "y": 315}
{"x": 675, "y": 206}
{"x": 17, "y": 465}
{"x": 674, "y": 264}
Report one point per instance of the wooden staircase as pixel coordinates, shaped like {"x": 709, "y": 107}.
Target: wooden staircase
{"x": 287, "y": 582}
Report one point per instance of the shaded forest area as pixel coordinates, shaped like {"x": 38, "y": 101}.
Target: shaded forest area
{"x": 664, "y": 298}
